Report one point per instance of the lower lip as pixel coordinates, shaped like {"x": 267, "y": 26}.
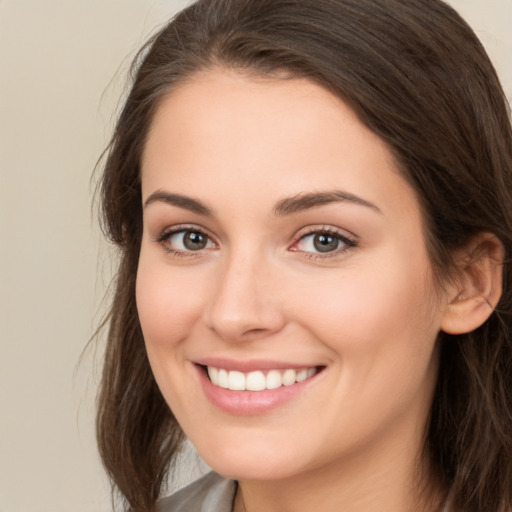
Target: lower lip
{"x": 250, "y": 403}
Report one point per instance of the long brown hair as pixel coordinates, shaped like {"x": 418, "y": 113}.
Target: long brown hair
{"x": 415, "y": 74}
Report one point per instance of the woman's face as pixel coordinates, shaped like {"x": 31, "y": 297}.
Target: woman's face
{"x": 283, "y": 252}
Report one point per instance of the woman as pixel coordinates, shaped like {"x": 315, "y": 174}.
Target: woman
{"x": 312, "y": 202}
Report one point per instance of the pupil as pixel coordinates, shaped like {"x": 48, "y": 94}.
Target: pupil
{"x": 325, "y": 243}
{"x": 194, "y": 241}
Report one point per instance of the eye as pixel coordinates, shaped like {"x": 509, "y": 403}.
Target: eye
{"x": 186, "y": 240}
{"x": 323, "y": 242}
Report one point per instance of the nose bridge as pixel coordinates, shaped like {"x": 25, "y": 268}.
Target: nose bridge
{"x": 243, "y": 304}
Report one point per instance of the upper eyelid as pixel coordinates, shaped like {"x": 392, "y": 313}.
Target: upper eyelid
{"x": 343, "y": 233}
{"x": 172, "y": 230}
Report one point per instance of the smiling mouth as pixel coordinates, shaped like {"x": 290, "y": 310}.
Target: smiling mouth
{"x": 259, "y": 380}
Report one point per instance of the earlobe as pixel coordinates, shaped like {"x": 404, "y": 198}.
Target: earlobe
{"x": 478, "y": 286}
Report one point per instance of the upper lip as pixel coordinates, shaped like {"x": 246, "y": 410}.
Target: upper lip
{"x": 252, "y": 365}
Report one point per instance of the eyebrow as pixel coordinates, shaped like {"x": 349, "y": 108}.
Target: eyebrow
{"x": 287, "y": 206}
{"x": 188, "y": 203}
{"x": 306, "y": 201}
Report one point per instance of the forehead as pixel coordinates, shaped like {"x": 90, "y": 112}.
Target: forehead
{"x": 224, "y": 131}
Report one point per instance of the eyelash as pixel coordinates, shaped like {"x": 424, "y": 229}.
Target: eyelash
{"x": 164, "y": 238}
{"x": 347, "y": 243}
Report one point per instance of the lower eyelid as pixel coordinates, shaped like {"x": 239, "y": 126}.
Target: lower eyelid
{"x": 319, "y": 256}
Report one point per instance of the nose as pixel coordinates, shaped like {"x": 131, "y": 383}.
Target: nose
{"x": 245, "y": 301}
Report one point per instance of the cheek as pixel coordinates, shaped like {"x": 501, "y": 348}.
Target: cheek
{"x": 381, "y": 329}
{"x": 374, "y": 313}
{"x": 168, "y": 302}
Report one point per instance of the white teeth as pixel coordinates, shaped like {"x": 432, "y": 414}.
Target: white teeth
{"x": 236, "y": 381}
{"x": 223, "y": 380}
{"x": 213, "y": 373}
{"x": 290, "y": 376}
{"x": 257, "y": 380}
{"x": 302, "y": 375}
{"x": 274, "y": 380}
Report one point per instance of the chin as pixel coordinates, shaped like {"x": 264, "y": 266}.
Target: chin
{"x": 235, "y": 463}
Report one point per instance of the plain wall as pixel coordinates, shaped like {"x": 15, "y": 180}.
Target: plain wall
{"x": 62, "y": 65}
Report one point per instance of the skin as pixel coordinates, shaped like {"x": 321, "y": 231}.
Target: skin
{"x": 369, "y": 313}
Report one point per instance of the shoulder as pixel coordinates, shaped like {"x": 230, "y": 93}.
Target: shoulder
{"x": 210, "y": 493}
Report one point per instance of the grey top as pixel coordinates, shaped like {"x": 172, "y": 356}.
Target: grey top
{"x": 210, "y": 493}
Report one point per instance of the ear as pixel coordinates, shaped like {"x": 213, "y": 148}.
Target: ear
{"x": 477, "y": 288}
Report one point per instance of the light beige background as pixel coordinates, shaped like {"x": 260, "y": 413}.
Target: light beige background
{"x": 62, "y": 65}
